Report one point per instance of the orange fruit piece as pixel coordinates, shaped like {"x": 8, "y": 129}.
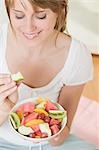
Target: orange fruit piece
{"x": 34, "y": 122}
{"x": 39, "y": 110}
{"x": 41, "y": 99}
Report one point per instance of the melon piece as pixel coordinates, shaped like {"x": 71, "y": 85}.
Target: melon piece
{"x": 26, "y": 108}
{"x": 50, "y": 106}
{"x": 54, "y": 129}
{"x": 54, "y": 121}
{"x": 17, "y": 77}
{"x": 35, "y": 128}
{"x": 31, "y": 116}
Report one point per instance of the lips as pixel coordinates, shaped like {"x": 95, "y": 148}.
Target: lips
{"x": 31, "y": 36}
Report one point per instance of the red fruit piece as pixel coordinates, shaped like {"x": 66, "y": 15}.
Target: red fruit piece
{"x": 23, "y": 121}
{"x": 26, "y": 108}
{"x": 47, "y": 119}
{"x": 20, "y": 108}
{"x": 41, "y": 116}
{"x": 50, "y": 106}
{"x": 54, "y": 129}
{"x": 32, "y": 135}
{"x": 54, "y": 121}
{"x": 44, "y": 135}
{"x": 35, "y": 128}
{"x": 38, "y": 133}
{"x": 26, "y": 114}
{"x": 31, "y": 116}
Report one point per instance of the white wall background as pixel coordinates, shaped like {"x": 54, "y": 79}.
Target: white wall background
{"x": 83, "y": 21}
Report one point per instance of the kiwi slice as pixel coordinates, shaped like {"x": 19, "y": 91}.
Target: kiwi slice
{"x": 15, "y": 120}
{"x": 57, "y": 114}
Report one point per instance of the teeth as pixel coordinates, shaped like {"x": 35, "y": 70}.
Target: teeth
{"x": 30, "y": 36}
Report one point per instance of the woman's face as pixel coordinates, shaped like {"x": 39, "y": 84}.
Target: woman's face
{"x": 30, "y": 26}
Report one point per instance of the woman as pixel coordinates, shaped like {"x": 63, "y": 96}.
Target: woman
{"x": 53, "y": 64}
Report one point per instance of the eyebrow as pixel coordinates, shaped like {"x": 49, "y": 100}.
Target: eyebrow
{"x": 37, "y": 11}
{"x": 16, "y": 10}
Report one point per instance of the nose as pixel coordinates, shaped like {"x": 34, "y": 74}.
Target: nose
{"x": 30, "y": 25}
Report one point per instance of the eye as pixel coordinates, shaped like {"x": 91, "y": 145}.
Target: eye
{"x": 41, "y": 16}
{"x": 19, "y": 17}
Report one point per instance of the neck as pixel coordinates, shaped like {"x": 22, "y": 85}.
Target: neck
{"x": 41, "y": 47}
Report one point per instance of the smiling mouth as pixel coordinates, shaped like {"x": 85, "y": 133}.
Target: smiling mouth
{"x": 31, "y": 36}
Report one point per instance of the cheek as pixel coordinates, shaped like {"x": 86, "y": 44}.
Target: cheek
{"x": 17, "y": 25}
{"x": 49, "y": 25}
{"x": 14, "y": 23}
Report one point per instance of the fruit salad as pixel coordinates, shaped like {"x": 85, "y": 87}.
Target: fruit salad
{"x": 40, "y": 118}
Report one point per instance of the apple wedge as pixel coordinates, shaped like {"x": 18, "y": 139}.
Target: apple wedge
{"x": 17, "y": 77}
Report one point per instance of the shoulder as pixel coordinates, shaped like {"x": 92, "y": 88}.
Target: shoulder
{"x": 81, "y": 52}
{"x": 79, "y": 65}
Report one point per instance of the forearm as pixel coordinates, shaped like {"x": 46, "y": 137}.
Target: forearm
{"x": 69, "y": 99}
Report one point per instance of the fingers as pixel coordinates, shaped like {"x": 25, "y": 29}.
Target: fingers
{"x": 7, "y": 93}
{"x": 7, "y": 86}
{"x": 4, "y": 79}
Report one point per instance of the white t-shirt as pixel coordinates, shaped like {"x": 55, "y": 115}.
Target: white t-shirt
{"x": 78, "y": 69}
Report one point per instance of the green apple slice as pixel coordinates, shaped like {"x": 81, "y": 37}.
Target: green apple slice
{"x": 44, "y": 127}
{"x": 17, "y": 77}
{"x": 25, "y": 130}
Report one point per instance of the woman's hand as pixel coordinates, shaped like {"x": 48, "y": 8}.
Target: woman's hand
{"x": 58, "y": 140}
{"x": 8, "y": 96}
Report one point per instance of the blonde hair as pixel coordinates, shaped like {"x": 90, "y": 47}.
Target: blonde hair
{"x": 60, "y": 7}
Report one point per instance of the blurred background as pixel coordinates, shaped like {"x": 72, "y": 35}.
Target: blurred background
{"x": 83, "y": 22}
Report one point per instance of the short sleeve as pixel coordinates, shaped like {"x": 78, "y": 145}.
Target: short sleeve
{"x": 79, "y": 69}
